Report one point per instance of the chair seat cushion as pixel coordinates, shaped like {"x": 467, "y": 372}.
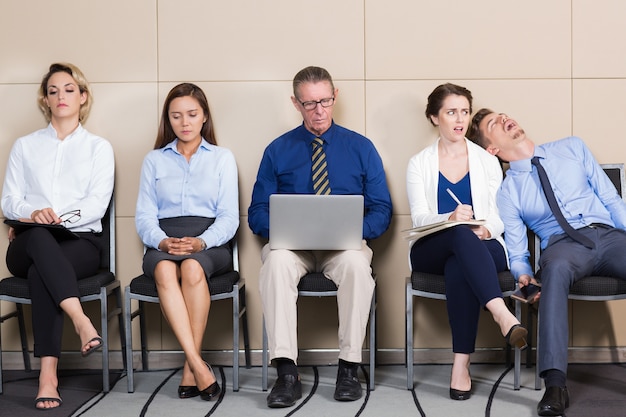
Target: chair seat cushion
{"x": 423, "y": 281}
{"x": 599, "y": 286}
{"x": 316, "y": 282}
{"x": 218, "y": 284}
{"x": 18, "y": 287}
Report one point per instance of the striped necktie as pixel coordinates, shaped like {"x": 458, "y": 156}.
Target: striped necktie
{"x": 319, "y": 170}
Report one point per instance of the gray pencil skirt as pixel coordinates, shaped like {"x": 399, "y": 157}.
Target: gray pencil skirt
{"x": 214, "y": 261}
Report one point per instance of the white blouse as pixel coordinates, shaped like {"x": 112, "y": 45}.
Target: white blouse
{"x": 76, "y": 173}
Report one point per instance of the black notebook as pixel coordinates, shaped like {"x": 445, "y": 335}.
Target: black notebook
{"x": 57, "y": 230}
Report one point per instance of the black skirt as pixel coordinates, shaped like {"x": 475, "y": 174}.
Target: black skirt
{"x": 217, "y": 260}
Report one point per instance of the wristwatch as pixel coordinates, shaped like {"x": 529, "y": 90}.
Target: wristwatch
{"x": 202, "y": 244}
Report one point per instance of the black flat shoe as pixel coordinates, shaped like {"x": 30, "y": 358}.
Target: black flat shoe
{"x": 212, "y": 391}
{"x": 459, "y": 395}
{"x": 517, "y": 336}
{"x": 554, "y": 402}
{"x": 188, "y": 391}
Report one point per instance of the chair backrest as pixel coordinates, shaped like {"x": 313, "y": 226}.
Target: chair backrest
{"x": 615, "y": 172}
{"x": 107, "y": 256}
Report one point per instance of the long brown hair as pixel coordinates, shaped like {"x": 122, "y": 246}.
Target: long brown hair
{"x": 166, "y": 134}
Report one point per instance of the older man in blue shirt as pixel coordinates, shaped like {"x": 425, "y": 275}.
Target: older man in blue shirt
{"x": 353, "y": 167}
{"x": 589, "y": 203}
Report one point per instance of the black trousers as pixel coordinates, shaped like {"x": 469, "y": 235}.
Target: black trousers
{"x": 470, "y": 267}
{"x": 52, "y": 269}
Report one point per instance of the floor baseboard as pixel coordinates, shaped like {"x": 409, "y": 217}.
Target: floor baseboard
{"x": 173, "y": 359}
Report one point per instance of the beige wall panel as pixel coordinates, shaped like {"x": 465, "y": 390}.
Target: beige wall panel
{"x": 250, "y": 264}
{"x": 126, "y": 115}
{"x": 109, "y": 41}
{"x": 448, "y": 39}
{"x": 129, "y": 250}
{"x": 19, "y": 116}
{"x": 541, "y": 107}
{"x": 391, "y": 267}
{"x": 598, "y": 323}
{"x": 598, "y": 32}
{"x": 598, "y": 109}
{"x": 395, "y": 117}
{"x": 251, "y": 40}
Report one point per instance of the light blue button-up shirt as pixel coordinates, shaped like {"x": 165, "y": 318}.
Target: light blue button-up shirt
{"x": 206, "y": 186}
{"x": 583, "y": 191}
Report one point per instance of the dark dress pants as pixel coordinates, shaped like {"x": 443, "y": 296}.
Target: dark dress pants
{"x": 562, "y": 263}
{"x": 52, "y": 268}
{"x": 470, "y": 267}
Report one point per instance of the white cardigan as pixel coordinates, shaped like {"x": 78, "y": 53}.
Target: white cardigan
{"x": 422, "y": 180}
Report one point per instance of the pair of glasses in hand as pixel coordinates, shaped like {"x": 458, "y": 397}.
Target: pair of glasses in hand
{"x": 70, "y": 217}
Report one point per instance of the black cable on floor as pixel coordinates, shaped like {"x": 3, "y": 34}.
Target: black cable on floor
{"x": 494, "y": 389}
{"x": 102, "y": 395}
{"x": 316, "y": 381}
{"x": 417, "y": 403}
{"x": 367, "y": 392}
{"x": 221, "y": 397}
{"x": 144, "y": 410}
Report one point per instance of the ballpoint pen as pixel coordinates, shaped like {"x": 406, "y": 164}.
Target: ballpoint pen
{"x": 455, "y": 198}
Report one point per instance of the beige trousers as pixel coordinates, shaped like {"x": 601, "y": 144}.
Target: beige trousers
{"x": 282, "y": 269}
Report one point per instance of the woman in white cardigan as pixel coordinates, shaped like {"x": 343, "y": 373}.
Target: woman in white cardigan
{"x": 454, "y": 179}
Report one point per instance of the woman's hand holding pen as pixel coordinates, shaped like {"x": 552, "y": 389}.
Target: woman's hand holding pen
{"x": 462, "y": 212}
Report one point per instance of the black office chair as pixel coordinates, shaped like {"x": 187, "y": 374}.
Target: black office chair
{"x": 95, "y": 288}
{"x": 223, "y": 286}
{"x": 592, "y": 288}
{"x": 421, "y": 284}
{"x": 317, "y": 285}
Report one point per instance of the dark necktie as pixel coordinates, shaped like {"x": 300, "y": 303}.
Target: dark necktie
{"x": 319, "y": 170}
{"x": 554, "y": 207}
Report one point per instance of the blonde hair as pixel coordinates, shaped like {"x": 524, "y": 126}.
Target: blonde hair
{"x": 81, "y": 81}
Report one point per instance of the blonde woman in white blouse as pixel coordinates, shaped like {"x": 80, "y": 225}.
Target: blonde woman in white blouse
{"x": 61, "y": 174}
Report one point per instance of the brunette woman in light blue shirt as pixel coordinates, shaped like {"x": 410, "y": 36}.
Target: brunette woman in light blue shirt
{"x": 187, "y": 212}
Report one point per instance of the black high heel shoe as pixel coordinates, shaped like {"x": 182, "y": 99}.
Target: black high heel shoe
{"x": 188, "y": 391}
{"x": 459, "y": 395}
{"x": 212, "y": 391}
{"x": 517, "y": 336}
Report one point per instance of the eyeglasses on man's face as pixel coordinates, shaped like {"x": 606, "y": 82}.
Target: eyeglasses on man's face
{"x": 310, "y": 105}
{"x": 70, "y": 217}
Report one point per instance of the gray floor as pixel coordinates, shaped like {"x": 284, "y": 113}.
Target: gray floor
{"x": 155, "y": 395}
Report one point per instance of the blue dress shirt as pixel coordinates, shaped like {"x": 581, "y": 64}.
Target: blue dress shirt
{"x": 206, "y": 186}
{"x": 583, "y": 191}
{"x": 354, "y": 167}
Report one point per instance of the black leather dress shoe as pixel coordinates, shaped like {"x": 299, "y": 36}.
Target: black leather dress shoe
{"x": 348, "y": 387}
{"x": 287, "y": 390}
{"x": 554, "y": 402}
{"x": 188, "y": 391}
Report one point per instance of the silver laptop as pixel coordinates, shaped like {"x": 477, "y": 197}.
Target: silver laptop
{"x": 310, "y": 222}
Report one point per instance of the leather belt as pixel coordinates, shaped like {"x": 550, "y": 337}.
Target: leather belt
{"x": 599, "y": 226}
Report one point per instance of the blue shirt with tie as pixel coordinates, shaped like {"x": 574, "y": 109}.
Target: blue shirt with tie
{"x": 354, "y": 167}
{"x": 583, "y": 191}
